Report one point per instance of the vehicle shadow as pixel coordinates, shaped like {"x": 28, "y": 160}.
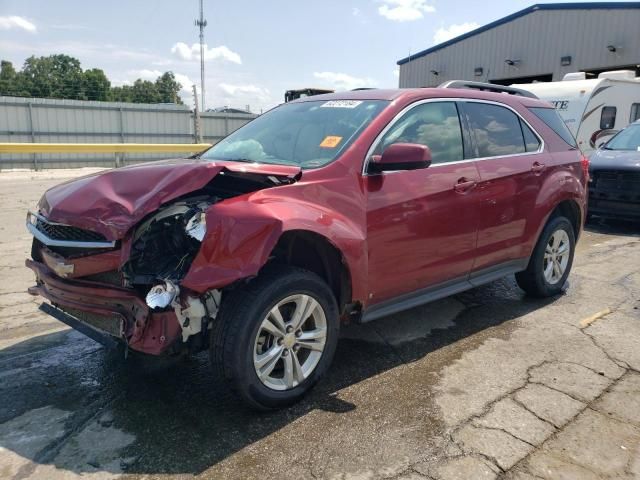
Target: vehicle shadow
{"x": 180, "y": 420}
{"x": 607, "y": 226}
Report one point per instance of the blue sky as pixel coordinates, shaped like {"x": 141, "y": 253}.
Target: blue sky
{"x": 256, "y": 49}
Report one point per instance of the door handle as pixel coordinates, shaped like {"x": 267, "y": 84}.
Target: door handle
{"x": 537, "y": 167}
{"x": 464, "y": 185}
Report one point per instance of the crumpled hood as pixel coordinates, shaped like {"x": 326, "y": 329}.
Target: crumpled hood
{"x": 112, "y": 202}
{"x": 614, "y": 160}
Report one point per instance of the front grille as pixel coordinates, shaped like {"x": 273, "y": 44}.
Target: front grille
{"x": 67, "y": 233}
{"x": 616, "y": 207}
{"x": 617, "y": 180}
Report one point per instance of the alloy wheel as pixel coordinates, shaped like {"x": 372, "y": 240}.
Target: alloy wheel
{"x": 290, "y": 342}
{"x": 556, "y": 256}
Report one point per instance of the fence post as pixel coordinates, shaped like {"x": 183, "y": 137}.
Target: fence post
{"x": 120, "y": 156}
{"x": 33, "y": 134}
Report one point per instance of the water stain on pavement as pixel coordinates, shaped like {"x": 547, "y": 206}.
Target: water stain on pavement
{"x": 181, "y": 420}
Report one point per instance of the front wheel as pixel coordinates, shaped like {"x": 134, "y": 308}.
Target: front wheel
{"x": 276, "y": 336}
{"x": 551, "y": 260}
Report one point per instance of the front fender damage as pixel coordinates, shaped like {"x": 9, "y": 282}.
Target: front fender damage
{"x": 242, "y": 236}
{"x": 236, "y": 247}
{"x": 185, "y": 265}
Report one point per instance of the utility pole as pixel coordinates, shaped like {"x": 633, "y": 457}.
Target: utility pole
{"x": 201, "y": 23}
{"x": 196, "y": 117}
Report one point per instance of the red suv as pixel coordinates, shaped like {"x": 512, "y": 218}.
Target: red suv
{"x": 353, "y": 205}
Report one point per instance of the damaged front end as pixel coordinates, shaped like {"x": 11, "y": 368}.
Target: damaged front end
{"x": 162, "y": 250}
{"x": 128, "y": 291}
{"x": 127, "y": 288}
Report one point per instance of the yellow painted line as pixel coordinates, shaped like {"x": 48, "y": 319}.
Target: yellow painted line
{"x": 585, "y": 322}
{"x": 101, "y": 147}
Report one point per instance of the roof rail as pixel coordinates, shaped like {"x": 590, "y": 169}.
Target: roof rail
{"x": 486, "y": 87}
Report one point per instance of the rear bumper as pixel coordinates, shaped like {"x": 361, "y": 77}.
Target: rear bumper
{"x": 110, "y": 312}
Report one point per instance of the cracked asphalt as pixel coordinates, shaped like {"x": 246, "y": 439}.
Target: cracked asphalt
{"x": 486, "y": 384}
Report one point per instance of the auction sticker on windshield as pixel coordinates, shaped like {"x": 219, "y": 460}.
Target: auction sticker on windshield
{"x": 341, "y": 104}
{"x": 330, "y": 141}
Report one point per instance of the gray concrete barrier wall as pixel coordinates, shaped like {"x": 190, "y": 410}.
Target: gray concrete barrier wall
{"x": 40, "y": 120}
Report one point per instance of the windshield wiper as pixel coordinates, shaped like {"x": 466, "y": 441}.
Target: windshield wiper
{"x": 243, "y": 160}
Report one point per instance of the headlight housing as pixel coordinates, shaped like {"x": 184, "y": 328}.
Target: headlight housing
{"x": 197, "y": 226}
{"x": 161, "y": 295}
{"x": 164, "y": 245}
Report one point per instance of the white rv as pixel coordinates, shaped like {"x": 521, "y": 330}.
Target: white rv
{"x": 593, "y": 109}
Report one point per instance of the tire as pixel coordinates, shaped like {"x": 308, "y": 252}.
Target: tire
{"x": 533, "y": 280}
{"x": 240, "y": 343}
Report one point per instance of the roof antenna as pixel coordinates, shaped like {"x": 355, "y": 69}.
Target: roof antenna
{"x": 201, "y": 22}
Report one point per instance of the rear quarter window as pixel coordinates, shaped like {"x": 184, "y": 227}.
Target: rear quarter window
{"x": 553, "y": 120}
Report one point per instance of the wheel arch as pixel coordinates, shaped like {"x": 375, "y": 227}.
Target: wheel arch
{"x": 570, "y": 209}
{"x": 316, "y": 253}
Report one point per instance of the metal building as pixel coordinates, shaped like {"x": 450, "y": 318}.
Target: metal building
{"x": 540, "y": 43}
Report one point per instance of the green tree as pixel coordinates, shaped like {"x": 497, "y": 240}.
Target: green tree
{"x": 61, "y": 76}
{"x": 121, "y": 94}
{"x": 96, "y": 85}
{"x": 55, "y": 76}
{"x": 8, "y": 79}
{"x": 168, "y": 88}
{"x": 144, "y": 91}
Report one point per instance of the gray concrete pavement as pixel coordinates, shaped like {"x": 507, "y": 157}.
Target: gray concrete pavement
{"x": 486, "y": 384}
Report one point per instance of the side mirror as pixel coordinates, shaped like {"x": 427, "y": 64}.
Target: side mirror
{"x": 401, "y": 156}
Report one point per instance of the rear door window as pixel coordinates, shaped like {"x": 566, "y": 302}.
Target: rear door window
{"x": 496, "y": 129}
{"x": 555, "y": 123}
{"x": 608, "y": 118}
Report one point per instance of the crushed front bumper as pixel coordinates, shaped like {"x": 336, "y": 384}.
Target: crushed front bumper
{"x": 112, "y": 313}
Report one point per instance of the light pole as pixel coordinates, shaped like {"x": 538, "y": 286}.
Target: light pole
{"x": 201, "y": 23}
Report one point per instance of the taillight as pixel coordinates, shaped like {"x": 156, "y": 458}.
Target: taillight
{"x": 585, "y": 167}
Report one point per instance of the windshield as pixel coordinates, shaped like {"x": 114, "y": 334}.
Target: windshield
{"x": 307, "y": 134}
{"x": 627, "y": 139}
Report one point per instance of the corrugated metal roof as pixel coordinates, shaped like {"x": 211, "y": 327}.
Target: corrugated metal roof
{"x": 521, "y": 13}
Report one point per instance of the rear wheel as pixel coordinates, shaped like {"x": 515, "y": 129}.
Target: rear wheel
{"x": 551, "y": 261}
{"x": 276, "y": 337}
